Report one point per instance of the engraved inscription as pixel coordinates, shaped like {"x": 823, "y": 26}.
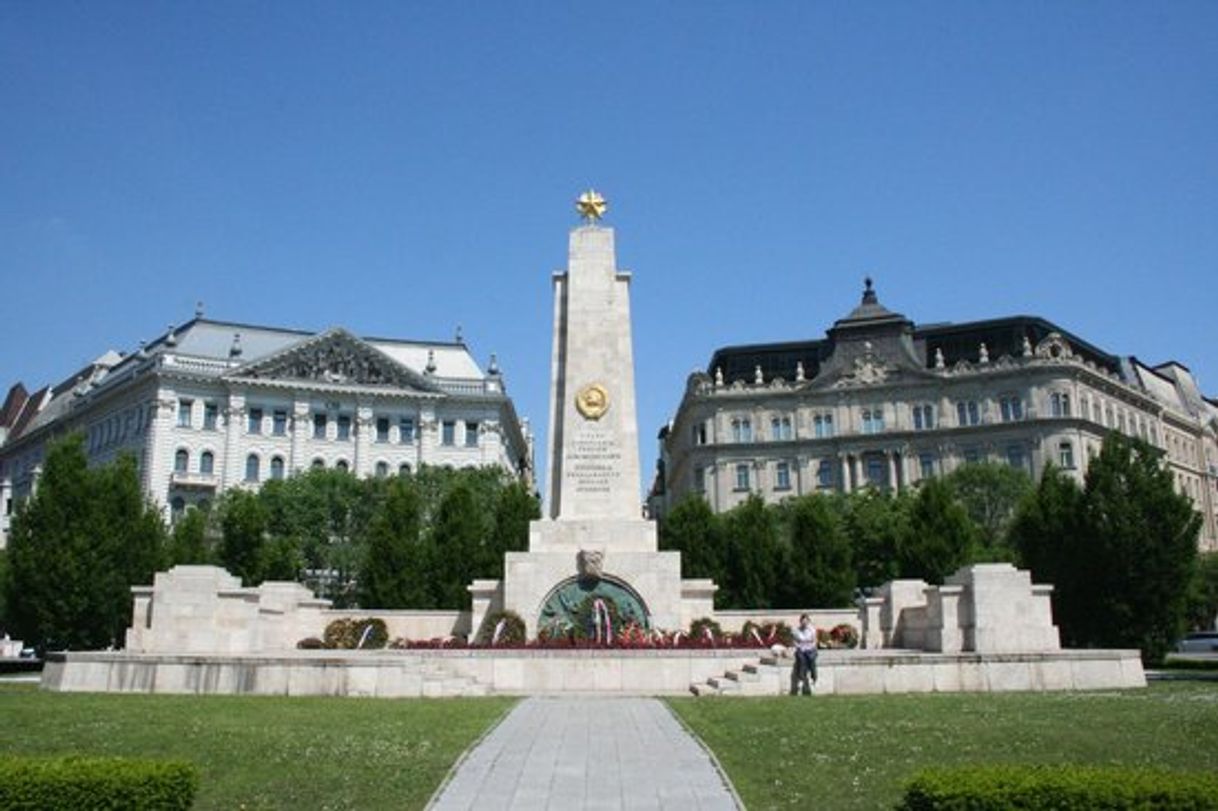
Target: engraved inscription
{"x": 594, "y": 461}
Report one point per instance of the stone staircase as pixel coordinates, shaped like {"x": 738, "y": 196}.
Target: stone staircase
{"x": 770, "y": 675}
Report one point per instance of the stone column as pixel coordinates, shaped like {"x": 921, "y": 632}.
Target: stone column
{"x": 856, "y": 480}
{"x": 302, "y": 427}
{"x": 843, "y": 466}
{"x": 893, "y": 484}
{"x": 360, "y": 465}
{"x": 234, "y": 465}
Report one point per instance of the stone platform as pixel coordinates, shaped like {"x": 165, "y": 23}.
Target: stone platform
{"x": 438, "y": 673}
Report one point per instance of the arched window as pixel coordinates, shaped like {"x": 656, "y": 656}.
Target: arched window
{"x": 276, "y": 467}
{"x": 176, "y": 507}
{"x": 341, "y": 464}
{"x": 207, "y": 463}
{"x": 181, "y": 461}
{"x": 404, "y": 469}
{"x": 382, "y": 469}
{"x": 319, "y": 463}
{"x": 252, "y": 464}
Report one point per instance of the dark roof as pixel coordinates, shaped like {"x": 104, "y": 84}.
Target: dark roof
{"x": 1003, "y": 336}
{"x": 29, "y": 410}
{"x": 13, "y": 403}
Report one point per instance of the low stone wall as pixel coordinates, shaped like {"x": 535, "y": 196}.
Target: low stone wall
{"x": 540, "y": 672}
{"x": 823, "y": 618}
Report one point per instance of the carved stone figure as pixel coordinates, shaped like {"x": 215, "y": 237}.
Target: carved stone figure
{"x": 590, "y": 563}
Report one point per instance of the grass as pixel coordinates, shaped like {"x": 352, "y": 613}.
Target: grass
{"x": 846, "y": 752}
{"x": 263, "y": 752}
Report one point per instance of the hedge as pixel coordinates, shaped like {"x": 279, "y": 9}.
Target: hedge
{"x": 1061, "y": 788}
{"x": 87, "y": 783}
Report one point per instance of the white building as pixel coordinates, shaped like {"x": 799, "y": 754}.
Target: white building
{"x": 212, "y": 405}
{"x": 883, "y": 402}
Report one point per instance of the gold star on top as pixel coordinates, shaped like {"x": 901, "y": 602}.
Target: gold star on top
{"x": 591, "y": 206}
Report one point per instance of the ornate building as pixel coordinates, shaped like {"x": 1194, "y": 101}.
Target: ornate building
{"x": 212, "y": 405}
{"x": 881, "y": 401}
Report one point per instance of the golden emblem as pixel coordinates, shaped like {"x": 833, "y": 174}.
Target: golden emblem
{"x": 592, "y": 401}
{"x": 591, "y": 206}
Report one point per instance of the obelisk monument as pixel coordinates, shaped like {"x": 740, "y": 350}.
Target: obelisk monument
{"x": 594, "y": 541}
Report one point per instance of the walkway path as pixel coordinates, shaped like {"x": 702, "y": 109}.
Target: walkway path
{"x": 596, "y": 753}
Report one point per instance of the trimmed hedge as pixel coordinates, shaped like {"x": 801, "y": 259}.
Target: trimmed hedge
{"x": 1061, "y": 788}
{"x": 83, "y": 784}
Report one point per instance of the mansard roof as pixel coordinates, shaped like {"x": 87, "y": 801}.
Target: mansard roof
{"x": 872, "y": 320}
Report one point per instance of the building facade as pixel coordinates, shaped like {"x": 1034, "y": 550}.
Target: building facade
{"x": 212, "y": 405}
{"x": 883, "y": 402}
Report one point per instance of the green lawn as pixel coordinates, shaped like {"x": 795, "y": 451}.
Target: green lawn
{"x": 856, "y": 752}
{"x": 263, "y": 752}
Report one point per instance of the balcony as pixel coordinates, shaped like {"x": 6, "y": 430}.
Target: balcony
{"x": 194, "y": 481}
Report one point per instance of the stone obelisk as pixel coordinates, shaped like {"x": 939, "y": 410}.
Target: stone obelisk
{"x": 594, "y": 540}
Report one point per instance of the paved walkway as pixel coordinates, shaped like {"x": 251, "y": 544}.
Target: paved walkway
{"x": 596, "y": 753}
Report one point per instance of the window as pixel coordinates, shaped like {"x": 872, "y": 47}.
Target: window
{"x": 924, "y": 417}
{"x": 181, "y": 461}
{"x": 211, "y": 413}
{"x": 873, "y": 420}
{"x": 176, "y": 507}
{"x": 1065, "y": 456}
{"x": 341, "y": 465}
{"x": 1011, "y": 408}
{"x": 406, "y": 430}
{"x": 252, "y": 464}
{"x": 276, "y": 467}
{"x": 822, "y": 425}
{"x": 782, "y": 476}
{"x": 700, "y": 480}
{"x": 700, "y": 434}
{"x": 471, "y": 434}
{"x": 1059, "y": 404}
{"x": 207, "y": 463}
{"x": 448, "y": 433}
{"x": 971, "y": 456}
{"x": 319, "y": 426}
{"x": 382, "y": 468}
{"x": 926, "y": 465}
{"x": 824, "y": 474}
{"x": 404, "y": 469}
{"x": 967, "y": 412}
{"x": 742, "y": 430}
{"x": 344, "y": 427}
{"x": 875, "y": 473}
{"x": 382, "y": 429}
{"x": 255, "y": 421}
{"x": 780, "y": 428}
{"x": 185, "y": 409}
{"x": 279, "y": 423}
{"x": 318, "y": 464}
{"x": 1015, "y": 456}
{"x": 742, "y": 477}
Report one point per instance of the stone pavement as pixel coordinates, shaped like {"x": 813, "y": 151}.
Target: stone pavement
{"x": 595, "y": 753}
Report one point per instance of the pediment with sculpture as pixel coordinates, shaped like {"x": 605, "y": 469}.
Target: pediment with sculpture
{"x": 335, "y": 357}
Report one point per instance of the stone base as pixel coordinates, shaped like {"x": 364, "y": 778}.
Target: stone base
{"x": 435, "y": 673}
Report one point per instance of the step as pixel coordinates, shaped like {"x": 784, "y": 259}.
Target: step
{"x": 723, "y": 685}
{"x": 742, "y": 676}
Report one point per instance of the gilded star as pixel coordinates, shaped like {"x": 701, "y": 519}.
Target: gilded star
{"x": 591, "y": 206}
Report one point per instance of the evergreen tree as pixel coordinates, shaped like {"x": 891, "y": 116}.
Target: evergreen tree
{"x": 754, "y": 563}
{"x": 188, "y": 542}
{"x": 515, "y": 507}
{"x": 821, "y": 572}
{"x": 991, "y": 493}
{"x": 243, "y": 527}
{"x": 876, "y": 523}
{"x": 393, "y": 574}
{"x": 693, "y": 529}
{"x": 457, "y": 537}
{"x": 78, "y": 544}
{"x": 939, "y": 537}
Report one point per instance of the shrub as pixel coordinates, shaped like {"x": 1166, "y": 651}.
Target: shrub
{"x": 843, "y": 636}
{"x": 1062, "y": 788}
{"x": 698, "y": 628}
{"x": 78, "y": 783}
{"x": 346, "y": 634}
{"x": 310, "y": 643}
{"x": 513, "y": 628}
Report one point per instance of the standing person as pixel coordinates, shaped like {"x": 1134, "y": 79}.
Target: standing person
{"x": 805, "y": 656}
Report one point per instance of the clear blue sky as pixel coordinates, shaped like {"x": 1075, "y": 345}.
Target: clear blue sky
{"x": 399, "y": 168}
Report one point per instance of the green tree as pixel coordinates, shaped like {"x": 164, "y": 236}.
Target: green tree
{"x": 753, "y": 560}
{"x": 515, "y": 507}
{"x": 939, "y": 537}
{"x": 394, "y": 572}
{"x": 457, "y": 537}
{"x": 991, "y": 493}
{"x": 78, "y": 544}
{"x": 243, "y": 528}
{"x": 693, "y": 529}
{"x": 1203, "y": 593}
{"x": 876, "y": 523}
{"x": 188, "y": 542}
{"x": 821, "y": 572}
